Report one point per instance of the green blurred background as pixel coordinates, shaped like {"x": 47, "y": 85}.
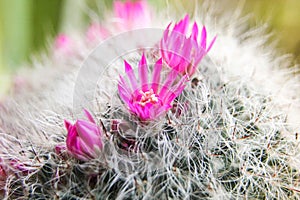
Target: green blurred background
{"x": 27, "y": 25}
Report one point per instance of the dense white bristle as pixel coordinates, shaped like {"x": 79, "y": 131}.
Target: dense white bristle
{"x": 231, "y": 136}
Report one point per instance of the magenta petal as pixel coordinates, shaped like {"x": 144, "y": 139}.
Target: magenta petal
{"x": 124, "y": 85}
{"x": 170, "y": 79}
{"x": 176, "y": 62}
{"x": 124, "y": 93}
{"x": 143, "y": 73}
{"x": 156, "y": 75}
{"x": 185, "y": 24}
{"x": 89, "y": 133}
{"x": 84, "y": 150}
{"x": 171, "y": 96}
{"x": 166, "y": 32}
{"x": 187, "y": 51}
{"x": 182, "y": 25}
{"x": 194, "y": 34}
{"x": 179, "y": 90}
{"x": 68, "y": 125}
{"x": 147, "y": 111}
{"x": 203, "y": 38}
{"x": 89, "y": 116}
{"x": 163, "y": 109}
{"x": 130, "y": 73}
{"x": 164, "y": 51}
{"x": 173, "y": 92}
{"x": 71, "y": 138}
{"x": 136, "y": 108}
{"x": 127, "y": 66}
{"x": 177, "y": 42}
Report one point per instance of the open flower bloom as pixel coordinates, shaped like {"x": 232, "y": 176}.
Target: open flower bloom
{"x": 84, "y": 139}
{"x": 131, "y": 14}
{"x": 149, "y": 99}
{"x": 182, "y": 52}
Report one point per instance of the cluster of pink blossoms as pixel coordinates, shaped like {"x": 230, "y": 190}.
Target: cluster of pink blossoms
{"x": 147, "y": 96}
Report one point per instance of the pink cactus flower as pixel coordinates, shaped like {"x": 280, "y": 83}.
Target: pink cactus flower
{"x": 182, "y": 52}
{"x": 131, "y": 14}
{"x": 84, "y": 139}
{"x": 96, "y": 33}
{"x": 146, "y": 99}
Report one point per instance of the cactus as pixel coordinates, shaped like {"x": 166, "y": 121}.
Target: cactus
{"x": 224, "y": 130}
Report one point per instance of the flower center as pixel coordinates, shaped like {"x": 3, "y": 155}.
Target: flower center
{"x": 148, "y": 97}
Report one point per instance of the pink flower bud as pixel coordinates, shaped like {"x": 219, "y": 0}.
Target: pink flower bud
{"x": 84, "y": 139}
